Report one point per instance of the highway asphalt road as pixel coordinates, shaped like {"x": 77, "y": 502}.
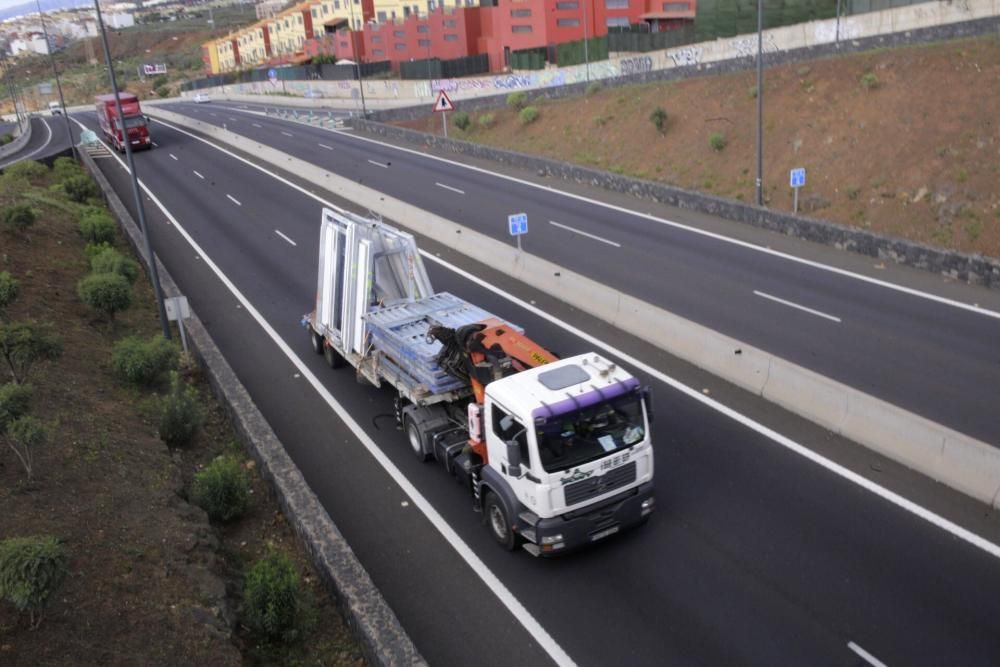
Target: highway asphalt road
{"x": 939, "y": 360}
{"x": 755, "y": 556}
{"x": 48, "y": 137}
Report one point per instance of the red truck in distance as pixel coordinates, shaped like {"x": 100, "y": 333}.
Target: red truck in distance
{"x": 135, "y": 122}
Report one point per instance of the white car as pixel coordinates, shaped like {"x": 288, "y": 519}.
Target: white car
{"x": 201, "y": 98}
{"x": 55, "y": 108}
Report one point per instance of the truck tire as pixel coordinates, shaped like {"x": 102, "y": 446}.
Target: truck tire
{"x": 317, "y": 341}
{"x": 498, "y": 521}
{"x": 333, "y": 358}
{"x": 416, "y": 440}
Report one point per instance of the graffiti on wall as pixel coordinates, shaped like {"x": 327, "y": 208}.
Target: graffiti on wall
{"x": 635, "y": 65}
{"x": 826, "y": 31}
{"x": 746, "y": 47}
{"x": 689, "y": 55}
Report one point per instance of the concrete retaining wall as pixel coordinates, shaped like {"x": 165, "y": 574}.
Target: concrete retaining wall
{"x": 373, "y": 623}
{"x": 19, "y": 141}
{"x": 966, "y": 464}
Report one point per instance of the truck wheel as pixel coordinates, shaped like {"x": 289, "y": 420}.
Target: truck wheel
{"x": 416, "y": 440}
{"x": 499, "y": 522}
{"x": 333, "y": 358}
{"x": 317, "y": 341}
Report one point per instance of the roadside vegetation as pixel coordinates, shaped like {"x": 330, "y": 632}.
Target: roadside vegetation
{"x": 135, "y": 528}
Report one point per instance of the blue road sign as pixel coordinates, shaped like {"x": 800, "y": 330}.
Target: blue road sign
{"x": 797, "y": 177}
{"x": 518, "y": 224}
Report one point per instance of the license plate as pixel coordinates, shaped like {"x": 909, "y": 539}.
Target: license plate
{"x": 603, "y": 533}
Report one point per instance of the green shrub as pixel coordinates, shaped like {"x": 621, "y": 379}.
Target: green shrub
{"x": 110, "y": 260}
{"x": 25, "y": 435}
{"x": 163, "y": 91}
{"x": 141, "y": 361}
{"x": 24, "y": 343}
{"x": 8, "y": 291}
{"x": 98, "y": 227}
{"x": 222, "y": 489}
{"x": 65, "y": 167}
{"x": 106, "y": 292}
{"x": 18, "y": 217}
{"x": 31, "y": 570}
{"x": 528, "y": 115}
{"x": 271, "y": 597}
{"x": 161, "y": 81}
{"x": 594, "y": 88}
{"x": 517, "y": 101}
{"x": 462, "y": 120}
{"x": 80, "y": 188}
{"x": 659, "y": 119}
{"x": 717, "y": 141}
{"x": 6, "y": 138}
{"x": 869, "y": 81}
{"x": 486, "y": 121}
{"x": 28, "y": 169}
{"x": 15, "y": 401}
{"x": 92, "y": 250}
{"x": 180, "y": 413}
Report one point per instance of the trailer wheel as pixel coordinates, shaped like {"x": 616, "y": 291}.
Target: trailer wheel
{"x": 416, "y": 440}
{"x": 317, "y": 341}
{"x": 499, "y": 522}
{"x": 333, "y": 358}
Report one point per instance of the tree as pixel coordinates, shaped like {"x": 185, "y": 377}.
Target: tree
{"x": 15, "y": 401}
{"x": 31, "y": 570}
{"x": 107, "y": 292}
{"x": 8, "y": 292}
{"x": 25, "y": 435}
{"x": 24, "y": 343}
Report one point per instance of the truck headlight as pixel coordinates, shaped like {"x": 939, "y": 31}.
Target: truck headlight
{"x": 648, "y": 505}
{"x": 552, "y": 539}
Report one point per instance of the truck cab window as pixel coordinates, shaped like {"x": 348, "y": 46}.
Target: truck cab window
{"x": 508, "y": 428}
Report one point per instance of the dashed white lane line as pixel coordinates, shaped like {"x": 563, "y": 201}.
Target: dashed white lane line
{"x": 582, "y": 233}
{"x": 278, "y": 232}
{"x": 231, "y": 118}
{"x": 256, "y": 124}
{"x": 213, "y": 115}
{"x": 155, "y": 145}
{"x": 792, "y": 304}
{"x": 287, "y": 134}
{"x": 448, "y": 187}
{"x": 865, "y": 655}
{"x": 199, "y": 175}
{"x": 378, "y": 164}
{"x": 234, "y": 200}
{"x": 329, "y": 148}
{"x": 172, "y": 156}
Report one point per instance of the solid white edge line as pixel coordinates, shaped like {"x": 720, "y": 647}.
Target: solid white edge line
{"x": 713, "y": 235}
{"x": 278, "y": 232}
{"x": 448, "y": 187}
{"x": 234, "y": 200}
{"x": 329, "y": 148}
{"x": 837, "y": 469}
{"x": 48, "y": 140}
{"x": 865, "y": 655}
{"x": 287, "y": 134}
{"x": 478, "y": 567}
{"x": 378, "y": 164}
{"x": 582, "y": 233}
{"x": 198, "y": 175}
{"x": 256, "y": 124}
{"x": 792, "y": 304}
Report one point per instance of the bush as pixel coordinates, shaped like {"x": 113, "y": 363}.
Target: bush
{"x": 15, "y": 401}
{"x": 106, "y": 292}
{"x": 869, "y": 81}
{"x": 8, "y": 291}
{"x": 97, "y": 227}
{"x": 28, "y": 169}
{"x": 462, "y": 120}
{"x": 92, "y": 250}
{"x": 31, "y": 570}
{"x": 528, "y": 115}
{"x": 222, "y": 489}
{"x": 25, "y": 435}
{"x": 659, "y": 119}
{"x": 594, "y": 88}
{"x": 517, "y": 101}
{"x": 717, "y": 141}
{"x": 180, "y": 413}
{"x": 160, "y": 81}
{"x": 24, "y": 343}
{"x": 65, "y": 167}
{"x": 486, "y": 121}
{"x": 6, "y": 138}
{"x": 80, "y": 188}
{"x": 110, "y": 260}
{"x": 163, "y": 91}
{"x": 143, "y": 362}
{"x": 271, "y": 596}
{"x": 18, "y": 217}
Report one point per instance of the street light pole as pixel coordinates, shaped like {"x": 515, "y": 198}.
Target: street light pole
{"x": 153, "y": 273}
{"x": 357, "y": 60}
{"x": 52, "y": 59}
{"x": 10, "y": 89}
{"x": 760, "y": 103}
{"x": 586, "y": 54}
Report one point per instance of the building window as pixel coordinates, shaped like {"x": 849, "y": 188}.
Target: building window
{"x": 450, "y": 23}
{"x": 343, "y": 45}
{"x": 400, "y": 47}
{"x": 423, "y": 28}
{"x": 299, "y": 17}
{"x": 568, "y": 23}
{"x": 520, "y": 28}
{"x": 573, "y": 4}
{"x": 378, "y": 52}
{"x": 451, "y": 38}
{"x": 315, "y": 15}
{"x": 399, "y": 33}
{"x": 382, "y": 16}
{"x": 520, "y": 12}
{"x": 376, "y": 39}
{"x": 431, "y": 5}
{"x": 616, "y": 4}
{"x": 423, "y": 42}
{"x": 617, "y": 22}
{"x": 676, "y": 6}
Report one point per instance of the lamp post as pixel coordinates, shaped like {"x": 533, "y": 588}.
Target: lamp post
{"x": 52, "y": 59}
{"x": 760, "y": 103}
{"x": 357, "y": 60}
{"x": 153, "y": 273}
{"x": 10, "y": 87}
{"x": 586, "y": 54}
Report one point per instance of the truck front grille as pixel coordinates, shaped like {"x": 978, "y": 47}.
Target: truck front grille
{"x": 598, "y": 486}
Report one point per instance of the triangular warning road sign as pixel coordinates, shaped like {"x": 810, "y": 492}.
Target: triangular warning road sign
{"x": 443, "y": 103}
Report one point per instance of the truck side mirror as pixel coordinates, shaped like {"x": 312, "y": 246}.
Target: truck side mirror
{"x": 647, "y": 399}
{"x": 513, "y": 458}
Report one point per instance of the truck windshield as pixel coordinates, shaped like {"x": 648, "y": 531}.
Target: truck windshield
{"x": 134, "y": 121}
{"x": 590, "y": 433}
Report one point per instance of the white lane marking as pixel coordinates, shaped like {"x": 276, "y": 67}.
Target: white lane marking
{"x": 48, "y": 140}
{"x": 155, "y": 145}
{"x": 278, "y": 232}
{"x": 172, "y": 156}
{"x": 199, "y": 175}
{"x": 581, "y": 233}
{"x": 694, "y": 230}
{"x": 378, "y": 164}
{"x": 448, "y": 187}
{"x": 287, "y": 134}
{"x": 212, "y": 114}
{"x": 792, "y": 304}
{"x": 256, "y": 124}
{"x": 329, "y": 148}
{"x": 865, "y": 655}
{"x": 825, "y": 463}
{"x": 478, "y": 567}
{"x": 232, "y": 119}
{"x": 234, "y": 200}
